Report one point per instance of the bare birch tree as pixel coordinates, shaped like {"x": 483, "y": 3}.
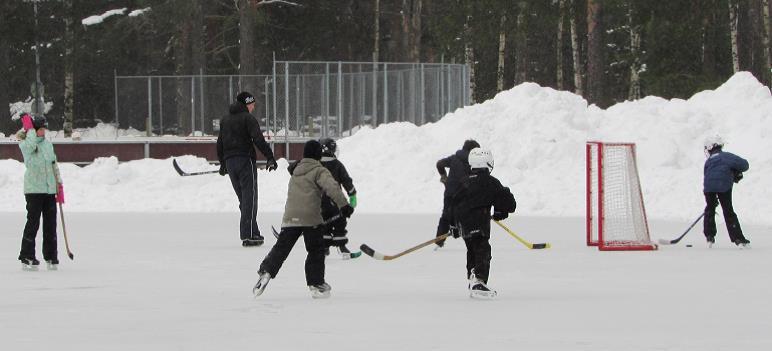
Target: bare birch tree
{"x": 502, "y": 50}
{"x": 559, "y": 44}
{"x": 595, "y": 64}
{"x": 576, "y": 52}
{"x": 733, "y": 17}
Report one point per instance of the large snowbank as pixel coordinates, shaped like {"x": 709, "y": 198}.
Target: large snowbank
{"x": 537, "y": 136}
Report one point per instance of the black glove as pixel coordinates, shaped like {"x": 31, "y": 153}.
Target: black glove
{"x": 455, "y": 232}
{"x": 443, "y": 179}
{"x": 738, "y": 176}
{"x": 271, "y": 165}
{"x": 223, "y": 171}
{"x": 346, "y": 211}
{"x": 499, "y": 216}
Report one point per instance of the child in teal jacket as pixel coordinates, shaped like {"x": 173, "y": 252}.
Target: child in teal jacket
{"x": 41, "y": 183}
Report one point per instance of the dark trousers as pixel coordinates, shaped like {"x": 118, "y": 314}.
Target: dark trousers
{"x": 478, "y": 257}
{"x": 732, "y": 223}
{"x": 37, "y": 205}
{"x": 312, "y": 236}
{"x": 243, "y": 173}
{"x": 445, "y": 219}
{"x": 335, "y": 231}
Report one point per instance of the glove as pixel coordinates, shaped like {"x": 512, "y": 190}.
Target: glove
{"x": 271, "y": 165}
{"x": 347, "y": 211}
{"x": 352, "y": 200}
{"x": 454, "y": 232}
{"x": 443, "y": 179}
{"x": 499, "y": 216}
{"x": 26, "y": 122}
{"x": 738, "y": 176}
{"x": 60, "y": 193}
{"x": 223, "y": 171}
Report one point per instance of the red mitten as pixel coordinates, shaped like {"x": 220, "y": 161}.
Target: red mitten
{"x": 60, "y": 194}
{"x": 26, "y": 121}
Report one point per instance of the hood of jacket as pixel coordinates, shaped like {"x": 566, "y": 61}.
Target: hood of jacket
{"x": 304, "y": 166}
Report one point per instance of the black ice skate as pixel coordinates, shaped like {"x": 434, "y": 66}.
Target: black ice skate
{"x": 743, "y": 243}
{"x": 52, "y": 265}
{"x": 257, "y": 241}
{"x": 320, "y": 291}
{"x": 262, "y": 282}
{"x": 711, "y": 241}
{"x": 29, "y": 264}
{"x": 478, "y": 289}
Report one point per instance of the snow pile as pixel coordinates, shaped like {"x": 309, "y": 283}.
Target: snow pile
{"x": 96, "y": 19}
{"x": 139, "y": 12}
{"x": 17, "y": 108}
{"x": 538, "y": 139}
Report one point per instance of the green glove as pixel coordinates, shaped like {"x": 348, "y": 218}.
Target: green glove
{"x": 352, "y": 200}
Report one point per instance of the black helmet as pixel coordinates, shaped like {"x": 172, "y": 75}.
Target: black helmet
{"x": 329, "y": 147}
{"x": 39, "y": 122}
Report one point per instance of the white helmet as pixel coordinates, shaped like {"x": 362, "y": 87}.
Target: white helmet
{"x": 481, "y": 158}
{"x": 713, "y": 142}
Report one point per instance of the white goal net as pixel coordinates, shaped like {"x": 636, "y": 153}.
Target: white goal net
{"x": 616, "y": 217}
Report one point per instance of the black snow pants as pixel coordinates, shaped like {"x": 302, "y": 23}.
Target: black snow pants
{"x": 335, "y": 231}
{"x": 478, "y": 257}
{"x": 732, "y": 223}
{"x": 312, "y": 236}
{"x": 37, "y": 205}
{"x": 243, "y": 174}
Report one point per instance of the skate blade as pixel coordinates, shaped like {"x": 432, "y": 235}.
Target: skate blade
{"x": 28, "y": 268}
{"x": 320, "y": 295}
{"x": 260, "y": 287}
{"x": 52, "y": 267}
{"x": 483, "y": 295}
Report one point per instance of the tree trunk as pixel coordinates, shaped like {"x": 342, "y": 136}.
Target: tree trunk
{"x": 377, "y": 36}
{"x": 708, "y": 42}
{"x": 182, "y": 67}
{"x": 576, "y": 53}
{"x": 733, "y": 15}
{"x": 247, "y": 19}
{"x": 7, "y": 125}
{"x": 502, "y": 48}
{"x": 521, "y": 44}
{"x": 69, "y": 82}
{"x": 767, "y": 38}
{"x": 635, "y": 62}
{"x": 411, "y": 29}
{"x": 469, "y": 56}
{"x": 595, "y": 64}
{"x": 559, "y": 44}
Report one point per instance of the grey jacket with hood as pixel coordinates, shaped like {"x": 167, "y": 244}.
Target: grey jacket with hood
{"x": 310, "y": 180}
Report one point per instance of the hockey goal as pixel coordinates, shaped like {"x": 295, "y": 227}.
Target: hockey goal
{"x": 616, "y": 217}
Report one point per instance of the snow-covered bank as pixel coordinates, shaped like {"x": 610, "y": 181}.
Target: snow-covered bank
{"x": 537, "y": 135}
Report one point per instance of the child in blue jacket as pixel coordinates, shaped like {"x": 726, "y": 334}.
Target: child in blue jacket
{"x": 722, "y": 169}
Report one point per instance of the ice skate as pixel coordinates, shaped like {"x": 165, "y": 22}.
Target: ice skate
{"x": 252, "y": 242}
{"x": 478, "y": 289}
{"x": 320, "y": 291}
{"x": 52, "y": 265}
{"x": 29, "y": 264}
{"x": 262, "y": 282}
{"x": 711, "y": 242}
{"x": 743, "y": 243}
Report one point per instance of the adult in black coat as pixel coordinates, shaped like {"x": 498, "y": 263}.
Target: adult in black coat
{"x": 239, "y": 136}
{"x": 459, "y": 167}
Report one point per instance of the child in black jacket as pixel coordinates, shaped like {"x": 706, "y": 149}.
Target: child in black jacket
{"x": 335, "y": 234}
{"x": 479, "y": 191}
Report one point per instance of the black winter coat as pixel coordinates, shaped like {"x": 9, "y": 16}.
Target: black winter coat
{"x": 340, "y": 174}
{"x": 472, "y": 203}
{"x": 459, "y": 168}
{"x": 240, "y": 134}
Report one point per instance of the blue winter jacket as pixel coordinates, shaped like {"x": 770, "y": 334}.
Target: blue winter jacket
{"x": 719, "y": 171}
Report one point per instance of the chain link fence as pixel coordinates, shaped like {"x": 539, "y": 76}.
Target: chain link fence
{"x": 299, "y": 99}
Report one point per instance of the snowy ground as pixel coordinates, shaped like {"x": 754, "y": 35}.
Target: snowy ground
{"x": 180, "y": 281}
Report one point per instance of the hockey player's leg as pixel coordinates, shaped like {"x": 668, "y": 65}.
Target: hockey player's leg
{"x": 50, "y": 254}
{"x": 709, "y": 221}
{"x": 315, "y": 263}
{"x": 732, "y": 223}
{"x": 479, "y": 281}
{"x": 276, "y": 257}
{"x": 27, "y": 252}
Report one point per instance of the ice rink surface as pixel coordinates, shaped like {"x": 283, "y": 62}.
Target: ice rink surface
{"x": 144, "y": 281}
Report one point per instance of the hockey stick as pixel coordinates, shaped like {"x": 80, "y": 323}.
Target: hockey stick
{"x": 521, "y": 240}
{"x": 676, "y": 240}
{"x": 64, "y": 230}
{"x": 185, "y": 174}
{"x": 379, "y": 256}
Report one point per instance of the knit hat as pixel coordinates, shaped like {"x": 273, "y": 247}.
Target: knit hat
{"x": 245, "y": 98}
{"x": 470, "y": 144}
{"x": 312, "y": 149}
{"x": 39, "y": 122}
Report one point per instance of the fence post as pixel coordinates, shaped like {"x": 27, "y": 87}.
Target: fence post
{"x": 273, "y": 89}
{"x": 326, "y": 94}
{"x": 192, "y": 104}
{"x": 160, "y": 106}
{"x": 385, "y": 93}
{"x": 286, "y": 112}
{"x": 297, "y": 104}
{"x": 230, "y": 88}
{"x": 149, "y": 119}
{"x": 201, "y": 99}
{"x": 267, "y": 102}
{"x": 115, "y": 89}
{"x": 340, "y": 99}
{"x": 423, "y": 96}
{"x": 374, "y": 117}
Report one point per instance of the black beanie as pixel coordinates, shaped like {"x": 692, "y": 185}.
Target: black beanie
{"x": 470, "y": 144}
{"x": 312, "y": 149}
{"x": 245, "y": 98}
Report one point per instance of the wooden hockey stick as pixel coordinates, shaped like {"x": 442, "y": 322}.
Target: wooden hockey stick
{"x": 522, "y": 241}
{"x": 676, "y": 240}
{"x": 379, "y": 256}
{"x": 64, "y": 230}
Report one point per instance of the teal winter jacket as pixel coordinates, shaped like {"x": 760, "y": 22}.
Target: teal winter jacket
{"x": 42, "y": 173}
